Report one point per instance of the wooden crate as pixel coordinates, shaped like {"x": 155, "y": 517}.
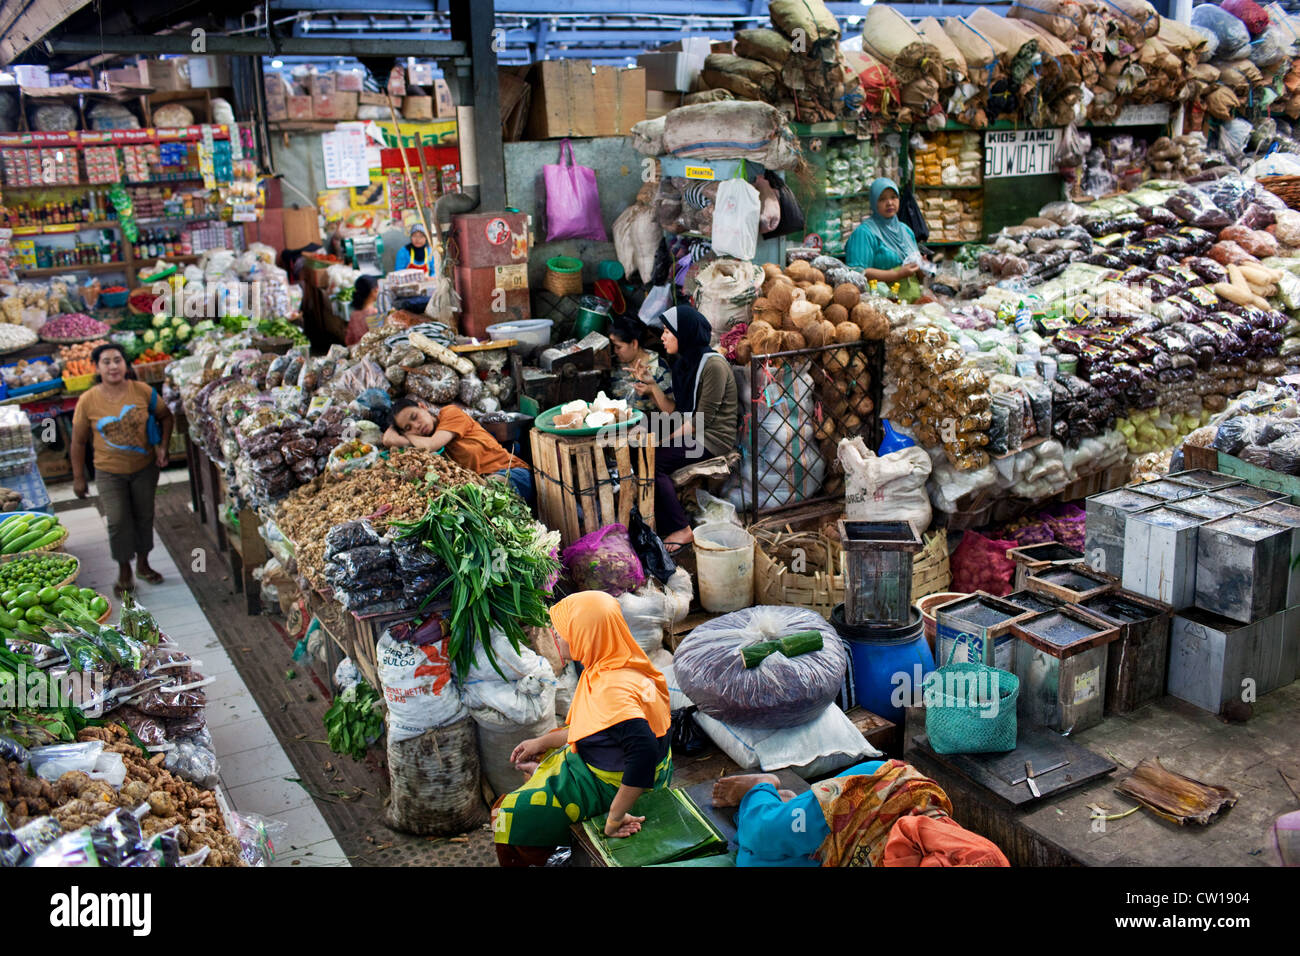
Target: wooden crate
{"x": 930, "y": 571}
{"x": 584, "y": 484}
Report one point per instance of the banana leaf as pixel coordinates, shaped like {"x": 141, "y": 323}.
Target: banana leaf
{"x": 674, "y": 830}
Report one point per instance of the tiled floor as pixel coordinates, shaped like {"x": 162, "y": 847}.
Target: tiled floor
{"x": 254, "y": 767}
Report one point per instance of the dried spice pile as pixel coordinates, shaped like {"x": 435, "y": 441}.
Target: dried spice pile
{"x": 394, "y": 490}
{"x": 75, "y": 801}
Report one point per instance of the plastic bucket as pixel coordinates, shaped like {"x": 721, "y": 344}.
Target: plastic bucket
{"x": 888, "y": 661}
{"x": 927, "y": 605}
{"x": 724, "y": 566}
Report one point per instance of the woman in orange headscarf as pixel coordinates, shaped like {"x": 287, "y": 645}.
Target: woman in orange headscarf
{"x": 615, "y": 745}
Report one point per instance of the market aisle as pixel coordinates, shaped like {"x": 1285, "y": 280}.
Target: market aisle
{"x": 253, "y": 764}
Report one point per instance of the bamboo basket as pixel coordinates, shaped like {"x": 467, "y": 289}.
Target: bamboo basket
{"x": 70, "y": 579}
{"x": 1286, "y": 188}
{"x": 563, "y": 280}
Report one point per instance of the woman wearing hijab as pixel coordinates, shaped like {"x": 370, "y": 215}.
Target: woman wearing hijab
{"x": 880, "y": 813}
{"x": 881, "y": 244}
{"x": 705, "y": 395}
{"x": 615, "y": 747}
{"x": 415, "y": 254}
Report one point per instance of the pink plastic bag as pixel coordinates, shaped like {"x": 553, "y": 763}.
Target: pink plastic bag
{"x": 1249, "y": 13}
{"x": 572, "y": 200}
{"x": 604, "y": 561}
{"x": 981, "y": 564}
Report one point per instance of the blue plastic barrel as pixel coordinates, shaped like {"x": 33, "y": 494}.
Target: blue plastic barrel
{"x": 889, "y": 662}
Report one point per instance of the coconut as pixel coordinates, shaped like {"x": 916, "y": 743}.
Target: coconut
{"x": 804, "y": 313}
{"x": 771, "y": 270}
{"x": 816, "y": 275}
{"x": 814, "y": 335}
{"x": 804, "y": 284}
{"x": 821, "y": 293}
{"x": 780, "y": 296}
{"x": 835, "y": 313}
{"x": 847, "y": 295}
{"x": 792, "y": 341}
{"x": 872, "y": 323}
{"x": 846, "y": 331}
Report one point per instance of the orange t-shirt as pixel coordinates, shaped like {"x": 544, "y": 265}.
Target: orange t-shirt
{"x": 474, "y": 447}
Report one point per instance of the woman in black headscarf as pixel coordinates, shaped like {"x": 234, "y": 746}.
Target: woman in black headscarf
{"x": 705, "y": 396}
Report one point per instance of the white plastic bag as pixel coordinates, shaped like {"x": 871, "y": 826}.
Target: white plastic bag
{"x": 52, "y": 762}
{"x": 663, "y": 659}
{"x": 885, "y": 488}
{"x": 527, "y": 696}
{"x": 656, "y": 304}
{"x": 819, "y": 747}
{"x": 418, "y": 687}
{"x": 727, "y": 290}
{"x": 735, "y": 220}
{"x": 714, "y": 510}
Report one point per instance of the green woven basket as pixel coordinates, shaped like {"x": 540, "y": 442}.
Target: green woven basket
{"x": 958, "y": 721}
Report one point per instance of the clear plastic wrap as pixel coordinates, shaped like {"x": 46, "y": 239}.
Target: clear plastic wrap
{"x": 1284, "y": 454}
{"x": 1236, "y": 433}
{"x": 349, "y": 535}
{"x": 780, "y": 691}
{"x": 604, "y": 561}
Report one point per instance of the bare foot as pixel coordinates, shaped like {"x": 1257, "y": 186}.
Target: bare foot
{"x": 729, "y": 791}
{"x": 679, "y": 539}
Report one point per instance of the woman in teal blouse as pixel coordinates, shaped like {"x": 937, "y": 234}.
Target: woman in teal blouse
{"x": 882, "y": 243}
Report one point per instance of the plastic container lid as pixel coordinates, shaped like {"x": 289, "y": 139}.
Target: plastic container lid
{"x": 564, "y": 264}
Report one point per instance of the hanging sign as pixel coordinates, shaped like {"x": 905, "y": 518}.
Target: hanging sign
{"x": 1020, "y": 152}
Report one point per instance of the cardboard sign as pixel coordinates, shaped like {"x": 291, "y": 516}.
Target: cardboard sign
{"x": 1021, "y": 152}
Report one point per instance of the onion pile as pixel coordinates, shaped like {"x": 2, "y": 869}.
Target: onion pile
{"x": 73, "y": 325}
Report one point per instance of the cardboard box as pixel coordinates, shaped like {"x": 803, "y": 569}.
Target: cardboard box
{"x": 277, "y": 97}
{"x": 443, "y": 105}
{"x": 209, "y": 72}
{"x": 571, "y": 98}
{"x": 125, "y": 76}
{"x": 366, "y": 98}
{"x": 658, "y": 102}
{"x": 417, "y": 108}
{"x": 420, "y": 74}
{"x": 348, "y": 81}
{"x": 321, "y": 84}
{"x": 32, "y": 77}
{"x": 335, "y": 106}
{"x": 300, "y": 107}
{"x": 166, "y": 76}
{"x": 674, "y": 66}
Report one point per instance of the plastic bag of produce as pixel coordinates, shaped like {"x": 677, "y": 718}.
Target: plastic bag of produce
{"x": 524, "y": 695}
{"x": 418, "y": 687}
{"x": 651, "y": 609}
{"x": 780, "y": 691}
{"x": 1232, "y": 35}
{"x": 1236, "y": 433}
{"x": 981, "y": 564}
{"x": 604, "y": 561}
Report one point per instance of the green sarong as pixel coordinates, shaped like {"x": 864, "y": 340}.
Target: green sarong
{"x": 562, "y": 791}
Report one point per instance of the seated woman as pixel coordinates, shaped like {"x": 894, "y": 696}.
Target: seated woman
{"x": 881, "y": 245}
{"x": 628, "y": 336}
{"x": 880, "y": 813}
{"x": 615, "y": 747}
{"x": 413, "y": 424}
{"x": 365, "y": 295}
{"x": 704, "y": 395}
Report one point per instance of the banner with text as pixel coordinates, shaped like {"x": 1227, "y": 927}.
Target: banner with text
{"x": 1020, "y": 152}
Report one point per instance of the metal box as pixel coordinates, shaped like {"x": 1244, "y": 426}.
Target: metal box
{"x": 878, "y": 570}
{"x": 1160, "y": 556}
{"x": 1135, "y": 668}
{"x": 1069, "y": 584}
{"x": 1252, "y": 496}
{"x": 1213, "y": 660}
{"x": 1033, "y": 602}
{"x": 490, "y": 239}
{"x": 977, "y": 628}
{"x": 1036, "y": 557}
{"x": 1287, "y": 515}
{"x": 1206, "y": 479}
{"x": 1207, "y": 507}
{"x": 1103, "y": 546}
{"x": 1061, "y": 662}
{"x": 1168, "y": 489}
{"x": 1243, "y": 565}
{"x": 491, "y": 295}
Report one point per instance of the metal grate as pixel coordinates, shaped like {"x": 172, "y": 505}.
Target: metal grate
{"x": 801, "y": 404}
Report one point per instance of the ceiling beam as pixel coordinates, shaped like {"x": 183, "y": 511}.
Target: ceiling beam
{"x": 415, "y": 45}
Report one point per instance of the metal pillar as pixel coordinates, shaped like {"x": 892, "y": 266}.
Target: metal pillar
{"x": 472, "y": 23}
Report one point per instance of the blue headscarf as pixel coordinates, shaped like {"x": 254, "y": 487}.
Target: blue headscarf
{"x": 693, "y": 334}
{"x": 891, "y": 233}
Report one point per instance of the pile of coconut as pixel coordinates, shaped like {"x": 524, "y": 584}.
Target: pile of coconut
{"x": 799, "y": 309}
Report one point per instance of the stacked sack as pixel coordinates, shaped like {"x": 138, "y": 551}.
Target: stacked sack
{"x": 889, "y": 37}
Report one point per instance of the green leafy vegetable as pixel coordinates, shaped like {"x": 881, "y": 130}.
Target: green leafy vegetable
{"x": 354, "y": 720}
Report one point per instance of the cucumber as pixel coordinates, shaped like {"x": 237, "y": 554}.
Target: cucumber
{"x": 49, "y": 537}
{"x": 41, "y": 524}
{"x": 12, "y": 519}
{"x": 22, "y": 544}
{"x": 15, "y": 531}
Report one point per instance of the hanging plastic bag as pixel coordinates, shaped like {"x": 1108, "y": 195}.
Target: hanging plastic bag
{"x": 572, "y": 200}
{"x": 735, "y": 221}
{"x": 650, "y": 548}
{"x": 656, "y": 303}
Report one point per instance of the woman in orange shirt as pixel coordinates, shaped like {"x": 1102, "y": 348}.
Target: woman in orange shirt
{"x": 413, "y": 424}
{"x": 364, "y": 295}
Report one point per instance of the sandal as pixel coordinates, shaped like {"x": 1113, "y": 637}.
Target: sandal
{"x": 674, "y": 547}
{"x": 151, "y": 576}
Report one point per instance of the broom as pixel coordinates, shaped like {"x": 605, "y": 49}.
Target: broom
{"x": 444, "y": 302}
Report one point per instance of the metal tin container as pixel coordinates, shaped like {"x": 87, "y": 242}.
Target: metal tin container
{"x": 1160, "y": 556}
{"x": 1037, "y": 557}
{"x": 1032, "y": 601}
{"x": 1214, "y": 660}
{"x": 1206, "y": 479}
{"x": 1069, "y": 584}
{"x": 1252, "y": 495}
{"x": 1243, "y": 565}
{"x": 977, "y": 628}
{"x": 1168, "y": 489}
{"x": 1135, "y": 668}
{"x": 1061, "y": 660}
{"x": 878, "y": 570}
{"x": 1288, "y": 516}
{"x": 1103, "y": 545}
{"x": 1207, "y": 507}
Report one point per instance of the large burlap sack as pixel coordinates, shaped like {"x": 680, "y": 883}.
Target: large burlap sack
{"x": 767, "y": 46}
{"x": 435, "y": 782}
{"x": 979, "y": 51}
{"x": 890, "y": 37}
{"x": 731, "y": 130}
{"x": 809, "y": 19}
{"x": 1062, "y": 18}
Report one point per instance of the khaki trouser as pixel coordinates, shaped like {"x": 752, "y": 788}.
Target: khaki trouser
{"x": 128, "y": 506}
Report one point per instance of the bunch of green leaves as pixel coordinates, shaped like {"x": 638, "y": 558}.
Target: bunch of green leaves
{"x": 282, "y": 329}
{"x": 33, "y": 726}
{"x": 137, "y": 623}
{"x": 501, "y": 566}
{"x": 354, "y": 720}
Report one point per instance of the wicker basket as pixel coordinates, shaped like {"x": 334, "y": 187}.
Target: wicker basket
{"x": 70, "y": 579}
{"x": 819, "y": 583}
{"x": 1286, "y": 188}
{"x": 563, "y": 275}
